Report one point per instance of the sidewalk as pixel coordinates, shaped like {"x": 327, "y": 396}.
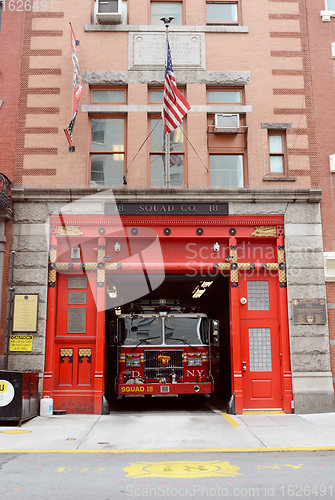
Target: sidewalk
{"x": 183, "y": 431}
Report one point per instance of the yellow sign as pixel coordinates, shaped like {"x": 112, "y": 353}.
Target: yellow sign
{"x": 3, "y": 386}
{"x": 180, "y": 469}
{"x": 25, "y": 313}
{"x": 21, "y": 343}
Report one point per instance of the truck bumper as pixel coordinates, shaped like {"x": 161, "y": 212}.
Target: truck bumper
{"x": 164, "y": 389}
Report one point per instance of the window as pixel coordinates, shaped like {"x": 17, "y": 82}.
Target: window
{"x": 156, "y": 96}
{"x": 107, "y": 151}
{"x": 108, "y": 95}
{"x": 226, "y": 170}
{"x": 108, "y": 5}
{"x": 219, "y": 96}
{"x": 157, "y": 155}
{"x": 277, "y": 149}
{"x": 222, "y": 12}
{"x": 166, "y": 9}
{"x": 0, "y": 12}
{"x": 330, "y": 4}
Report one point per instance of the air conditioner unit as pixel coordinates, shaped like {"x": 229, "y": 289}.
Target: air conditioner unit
{"x": 109, "y": 12}
{"x": 226, "y": 123}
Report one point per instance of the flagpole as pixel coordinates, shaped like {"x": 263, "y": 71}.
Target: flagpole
{"x": 167, "y": 21}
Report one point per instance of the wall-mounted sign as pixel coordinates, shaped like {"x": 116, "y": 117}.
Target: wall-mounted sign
{"x": 76, "y": 320}
{"x": 23, "y": 343}
{"x": 77, "y": 282}
{"x": 7, "y": 392}
{"x": 74, "y": 298}
{"x": 309, "y": 311}
{"x": 25, "y": 312}
{"x": 166, "y": 208}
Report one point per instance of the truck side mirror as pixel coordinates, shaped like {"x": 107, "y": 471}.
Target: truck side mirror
{"x": 215, "y": 332}
{"x": 113, "y": 333}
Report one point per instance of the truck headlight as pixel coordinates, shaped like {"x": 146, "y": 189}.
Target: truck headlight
{"x": 133, "y": 360}
{"x": 194, "y": 362}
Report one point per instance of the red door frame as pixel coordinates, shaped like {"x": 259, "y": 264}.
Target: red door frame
{"x": 184, "y": 228}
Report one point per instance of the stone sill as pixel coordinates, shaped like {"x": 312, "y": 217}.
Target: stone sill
{"x": 161, "y": 29}
{"x": 243, "y": 195}
{"x": 327, "y": 14}
{"x": 290, "y": 179}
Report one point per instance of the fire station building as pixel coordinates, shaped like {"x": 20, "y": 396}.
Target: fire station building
{"x": 238, "y": 231}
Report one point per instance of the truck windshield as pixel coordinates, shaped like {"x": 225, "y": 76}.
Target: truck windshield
{"x": 147, "y": 330}
{"x": 179, "y": 330}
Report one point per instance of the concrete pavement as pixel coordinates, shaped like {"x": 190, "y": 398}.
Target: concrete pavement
{"x": 211, "y": 430}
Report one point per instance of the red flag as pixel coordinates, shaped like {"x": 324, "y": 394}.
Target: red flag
{"x": 77, "y": 88}
{"x": 175, "y": 105}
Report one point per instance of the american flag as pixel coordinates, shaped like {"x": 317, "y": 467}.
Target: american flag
{"x": 175, "y": 105}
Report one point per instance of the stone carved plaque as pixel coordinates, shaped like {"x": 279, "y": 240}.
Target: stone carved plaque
{"x": 309, "y": 311}
{"x": 148, "y": 50}
{"x": 76, "y": 320}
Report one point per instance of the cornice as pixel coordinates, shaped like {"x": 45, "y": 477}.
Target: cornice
{"x": 94, "y": 195}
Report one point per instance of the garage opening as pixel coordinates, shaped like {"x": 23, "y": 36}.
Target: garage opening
{"x": 176, "y": 289}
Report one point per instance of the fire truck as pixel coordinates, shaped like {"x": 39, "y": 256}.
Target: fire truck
{"x": 166, "y": 351}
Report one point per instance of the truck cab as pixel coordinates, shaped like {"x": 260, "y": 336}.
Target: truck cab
{"x": 166, "y": 351}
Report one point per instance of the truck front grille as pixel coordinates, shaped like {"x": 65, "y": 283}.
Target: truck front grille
{"x": 159, "y": 364}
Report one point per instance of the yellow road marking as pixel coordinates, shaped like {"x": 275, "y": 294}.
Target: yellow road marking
{"x": 178, "y": 450}
{"x": 15, "y": 431}
{"x": 230, "y": 420}
{"x": 263, "y": 412}
{"x": 182, "y": 469}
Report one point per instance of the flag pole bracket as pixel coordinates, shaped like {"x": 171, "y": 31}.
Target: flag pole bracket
{"x": 72, "y": 149}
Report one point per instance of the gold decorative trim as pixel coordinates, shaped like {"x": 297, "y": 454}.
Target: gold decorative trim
{"x": 84, "y": 352}
{"x": 101, "y": 275}
{"x": 66, "y": 352}
{"x": 244, "y": 266}
{"x": 267, "y": 231}
{"x": 62, "y": 266}
{"x": 223, "y": 266}
{"x": 52, "y": 276}
{"x": 234, "y": 276}
{"x": 111, "y": 266}
{"x": 69, "y": 231}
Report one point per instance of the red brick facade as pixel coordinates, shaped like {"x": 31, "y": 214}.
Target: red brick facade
{"x": 11, "y": 32}
{"x": 322, "y": 35}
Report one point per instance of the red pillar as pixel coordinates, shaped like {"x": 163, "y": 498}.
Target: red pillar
{"x": 50, "y": 327}
{"x": 99, "y": 374}
{"x": 235, "y": 342}
{"x": 286, "y": 374}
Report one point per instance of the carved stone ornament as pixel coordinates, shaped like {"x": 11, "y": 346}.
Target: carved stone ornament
{"x": 69, "y": 231}
{"x": 267, "y": 231}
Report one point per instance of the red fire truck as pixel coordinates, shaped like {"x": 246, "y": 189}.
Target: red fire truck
{"x": 166, "y": 351}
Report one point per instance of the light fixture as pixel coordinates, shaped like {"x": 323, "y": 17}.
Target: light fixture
{"x": 206, "y": 284}
{"x": 112, "y": 292}
{"x": 117, "y": 247}
{"x": 197, "y": 292}
{"x": 200, "y": 289}
{"x": 117, "y": 311}
{"x": 216, "y": 247}
{"x": 75, "y": 253}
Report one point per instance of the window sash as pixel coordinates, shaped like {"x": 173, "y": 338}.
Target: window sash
{"x": 108, "y": 95}
{"x": 157, "y": 155}
{"x": 107, "y": 152}
{"x": 330, "y": 5}
{"x": 277, "y": 153}
{"x": 226, "y": 171}
{"x": 166, "y": 9}
{"x": 224, "y": 96}
{"x": 222, "y": 12}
